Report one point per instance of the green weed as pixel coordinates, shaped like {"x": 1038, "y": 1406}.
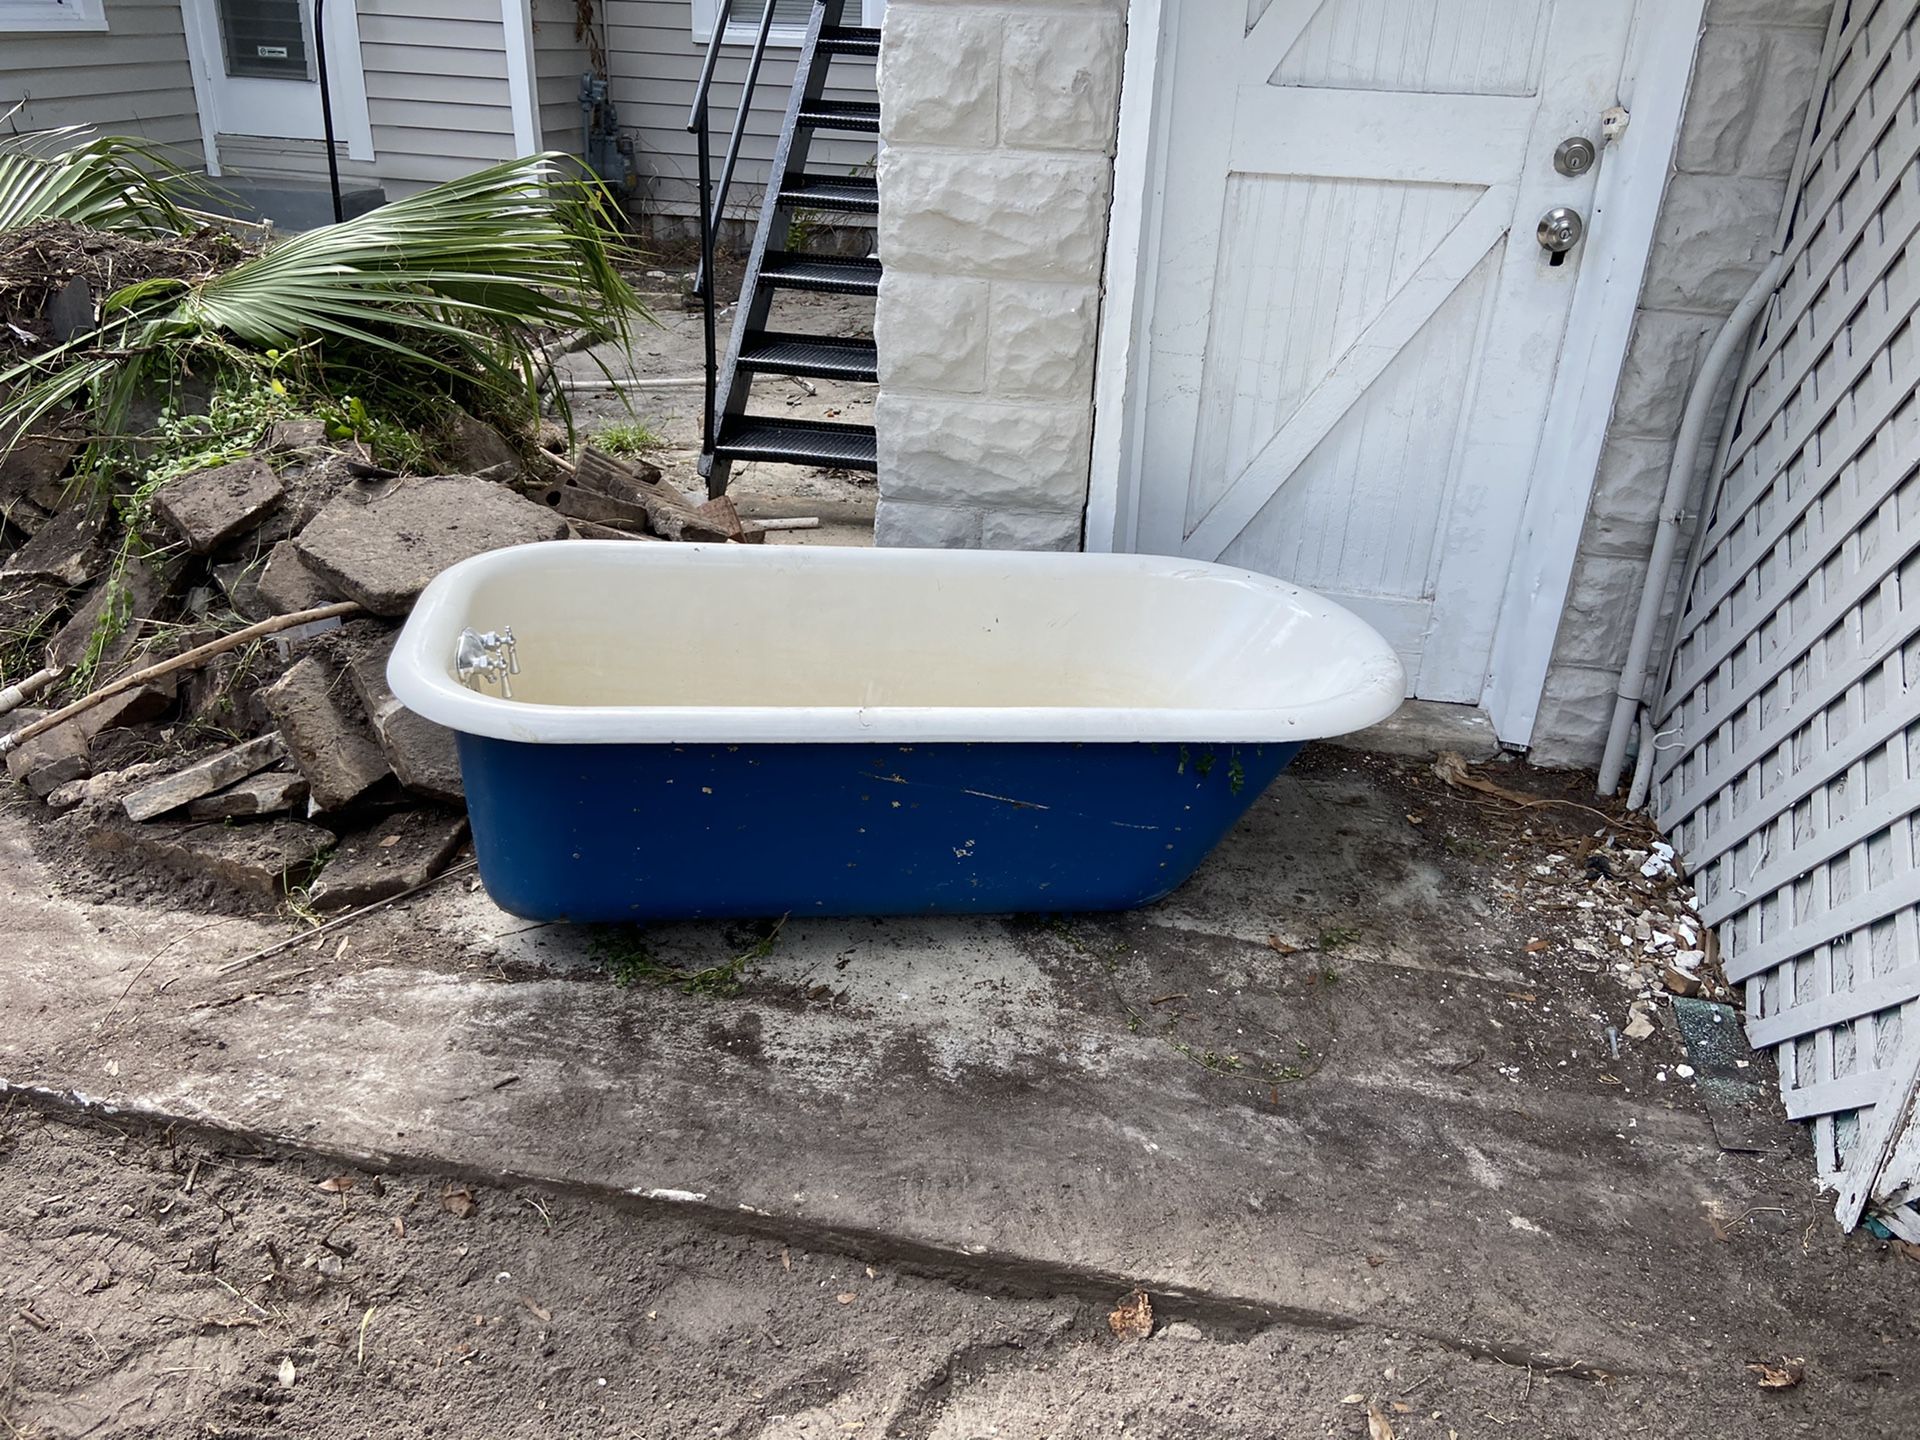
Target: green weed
{"x": 629, "y": 437}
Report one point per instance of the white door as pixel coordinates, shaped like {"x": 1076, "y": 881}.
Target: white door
{"x": 1353, "y": 329}
{"x": 256, "y": 69}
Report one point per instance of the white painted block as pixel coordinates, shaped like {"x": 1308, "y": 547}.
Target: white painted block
{"x": 1029, "y": 530}
{"x": 1062, "y": 81}
{"x": 931, "y": 332}
{"x": 1018, "y": 215}
{"x": 942, "y": 527}
{"x": 1041, "y": 339}
{"x": 958, "y": 451}
{"x": 940, "y": 75}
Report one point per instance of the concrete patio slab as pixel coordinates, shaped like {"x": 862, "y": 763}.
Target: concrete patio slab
{"x": 1326, "y": 1082}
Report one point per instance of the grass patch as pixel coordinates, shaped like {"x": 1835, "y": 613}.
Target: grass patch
{"x": 630, "y": 438}
{"x": 624, "y": 951}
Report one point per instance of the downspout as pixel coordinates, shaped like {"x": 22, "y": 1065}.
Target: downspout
{"x": 1673, "y": 510}
{"x": 1633, "y": 675}
{"x": 326, "y": 106}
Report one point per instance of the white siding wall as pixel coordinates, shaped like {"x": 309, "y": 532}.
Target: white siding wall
{"x": 655, "y": 65}
{"x": 131, "y": 80}
{"x": 436, "y": 89}
{"x": 558, "y": 60}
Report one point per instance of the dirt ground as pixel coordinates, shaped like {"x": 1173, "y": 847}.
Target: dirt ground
{"x": 183, "y": 1282}
{"x": 672, "y": 350}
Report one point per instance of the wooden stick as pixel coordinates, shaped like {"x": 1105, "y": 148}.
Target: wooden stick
{"x": 179, "y": 662}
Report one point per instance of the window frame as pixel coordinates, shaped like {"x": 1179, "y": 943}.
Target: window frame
{"x": 52, "y": 17}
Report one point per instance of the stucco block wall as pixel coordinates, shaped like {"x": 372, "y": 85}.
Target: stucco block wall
{"x": 998, "y": 122}
{"x": 1753, "y": 78}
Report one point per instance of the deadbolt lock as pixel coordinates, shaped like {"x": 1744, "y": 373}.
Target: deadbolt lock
{"x": 1574, "y": 155}
{"x": 1560, "y": 230}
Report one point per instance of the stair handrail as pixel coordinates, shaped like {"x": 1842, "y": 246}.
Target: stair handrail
{"x": 713, "y": 203}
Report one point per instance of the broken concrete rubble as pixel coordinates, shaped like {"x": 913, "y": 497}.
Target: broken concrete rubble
{"x": 272, "y": 792}
{"x": 401, "y": 853}
{"x": 381, "y": 550}
{"x": 422, "y": 754}
{"x": 265, "y": 859}
{"x": 210, "y": 507}
{"x": 67, "y": 550}
{"x": 215, "y": 772}
{"x": 287, "y": 583}
{"x": 311, "y": 703}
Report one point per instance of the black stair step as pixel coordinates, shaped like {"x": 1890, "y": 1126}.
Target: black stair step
{"x": 837, "y": 274}
{"x": 832, "y": 192}
{"x": 856, "y": 115}
{"x": 849, "y": 40}
{"x": 829, "y": 357}
{"x": 798, "y": 442}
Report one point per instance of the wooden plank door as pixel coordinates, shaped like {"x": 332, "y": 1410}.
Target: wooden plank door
{"x": 1353, "y": 330}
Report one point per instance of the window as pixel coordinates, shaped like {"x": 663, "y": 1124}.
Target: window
{"x": 52, "y": 15}
{"x": 790, "y": 18}
{"x": 266, "y": 39}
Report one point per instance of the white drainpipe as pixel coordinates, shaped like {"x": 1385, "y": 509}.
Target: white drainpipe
{"x": 1673, "y": 510}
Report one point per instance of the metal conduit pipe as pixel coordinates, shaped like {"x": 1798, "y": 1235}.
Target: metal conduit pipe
{"x": 1673, "y": 510}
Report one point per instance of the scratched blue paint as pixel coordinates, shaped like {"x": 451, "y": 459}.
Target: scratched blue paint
{"x": 647, "y": 832}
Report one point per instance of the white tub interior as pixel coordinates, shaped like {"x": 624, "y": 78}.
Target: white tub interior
{"x": 891, "y": 638}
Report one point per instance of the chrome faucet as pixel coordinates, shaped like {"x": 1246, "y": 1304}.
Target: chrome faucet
{"x": 487, "y": 656}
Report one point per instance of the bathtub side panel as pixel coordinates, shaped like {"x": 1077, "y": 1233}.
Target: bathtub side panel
{"x": 637, "y": 832}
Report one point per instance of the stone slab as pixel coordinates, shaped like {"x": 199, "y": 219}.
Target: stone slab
{"x": 311, "y": 704}
{"x": 423, "y": 755}
{"x": 288, "y": 585}
{"x": 272, "y": 792}
{"x": 204, "y": 777}
{"x": 265, "y": 859}
{"x": 382, "y": 550}
{"x": 66, "y": 551}
{"x": 210, "y": 507}
{"x": 32, "y": 463}
{"x": 402, "y": 852}
{"x": 50, "y": 760}
{"x": 138, "y": 596}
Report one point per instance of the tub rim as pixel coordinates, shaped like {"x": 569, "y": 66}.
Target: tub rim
{"x": 426, "y": 685}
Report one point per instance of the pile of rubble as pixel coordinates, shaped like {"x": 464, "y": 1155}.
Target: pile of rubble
{"x": 236, "y": 725}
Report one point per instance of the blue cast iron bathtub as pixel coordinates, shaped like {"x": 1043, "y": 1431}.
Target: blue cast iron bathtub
{"x": 731, "y": 730}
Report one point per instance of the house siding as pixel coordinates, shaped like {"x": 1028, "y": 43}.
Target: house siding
{"x": 559, "y": 59}
{"x": 437, "y": 92}
{"x": 655, "y": 65}
{"x": 131, "y": 79}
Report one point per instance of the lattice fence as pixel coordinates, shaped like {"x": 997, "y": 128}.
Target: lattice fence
{"x": 1789, "y": 773}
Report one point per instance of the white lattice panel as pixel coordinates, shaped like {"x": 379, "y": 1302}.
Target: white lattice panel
{"x": 1789, "y": 774}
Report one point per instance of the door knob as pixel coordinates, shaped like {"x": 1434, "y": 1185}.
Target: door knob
{"x": 1559, "y": 231}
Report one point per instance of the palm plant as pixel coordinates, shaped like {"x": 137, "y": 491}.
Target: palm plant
{"x": 108, "y": 183}
{"x": 456, "y": 284}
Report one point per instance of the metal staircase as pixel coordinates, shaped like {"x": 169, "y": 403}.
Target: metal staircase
{"x": 729, "y": 433}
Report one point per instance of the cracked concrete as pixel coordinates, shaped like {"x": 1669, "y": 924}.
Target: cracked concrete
{"x": 1324, "y": 1085}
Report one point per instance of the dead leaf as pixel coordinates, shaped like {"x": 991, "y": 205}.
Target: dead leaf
{"x": 457, "y": 1201}
{"x": 399, "y": 1227}
{"x": 1400, "y": 1407}
{"x": 1132, "y": 1319}
{"x": 846, "y": 1297}
{"x": 1275, "y": 943}
{"x": 870, "y": 1273}
{"x": 1378, "y": 1426}
{"x": 337, "y": 1184}
{"x": 1784, "y": 1376}
{"x": 287, "y": 1373}
{"x": 1525, "y": 997}
{"x": 1536, "y": 945}
{"x": 540, "y": 1312}
{"x": 1908, "y": 1249}
{"x": 786, "y": 1261}
{"x": 390, "y": 841}
{"x": 1416, "y": 819}
{"x": 1354, "y": 1399}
